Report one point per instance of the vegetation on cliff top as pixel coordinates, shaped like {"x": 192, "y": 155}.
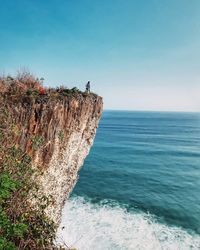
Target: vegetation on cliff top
{"x": 25, "y": 84}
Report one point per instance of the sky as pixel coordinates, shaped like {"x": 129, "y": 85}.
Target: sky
{"x": 138, "y": 54}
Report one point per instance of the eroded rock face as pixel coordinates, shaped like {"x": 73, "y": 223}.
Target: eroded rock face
{"x": 58, "y": 134}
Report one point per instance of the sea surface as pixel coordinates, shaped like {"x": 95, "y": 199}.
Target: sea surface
{"x": 140, "y": 185}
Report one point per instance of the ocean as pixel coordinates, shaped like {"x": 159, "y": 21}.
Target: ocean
{"x": 139, "y": 187}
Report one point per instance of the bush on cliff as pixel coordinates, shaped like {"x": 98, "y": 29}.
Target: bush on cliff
{"x": 28, "y": 85}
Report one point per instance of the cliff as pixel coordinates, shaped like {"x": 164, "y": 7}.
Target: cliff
{"x": 56, "y": 128}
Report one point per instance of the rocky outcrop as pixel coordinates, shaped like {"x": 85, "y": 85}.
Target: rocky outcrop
{"x": 58, "y": 134}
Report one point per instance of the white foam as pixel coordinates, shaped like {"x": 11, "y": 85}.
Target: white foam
{"x": 101, "y": 227}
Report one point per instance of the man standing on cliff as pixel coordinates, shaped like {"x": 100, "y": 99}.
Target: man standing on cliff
{"x": 88, "y": 87}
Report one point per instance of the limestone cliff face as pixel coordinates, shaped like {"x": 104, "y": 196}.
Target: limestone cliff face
{"x": 58, "y": 134}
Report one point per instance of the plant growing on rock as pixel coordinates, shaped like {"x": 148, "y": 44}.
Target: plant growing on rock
{"x": 37, "y": 142}
{"x": 61, "y": 136}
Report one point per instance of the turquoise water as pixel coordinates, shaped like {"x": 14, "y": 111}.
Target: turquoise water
{"x": 140, "y": 185}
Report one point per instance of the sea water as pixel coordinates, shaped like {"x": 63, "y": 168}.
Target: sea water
{"x": 140, "y": 186}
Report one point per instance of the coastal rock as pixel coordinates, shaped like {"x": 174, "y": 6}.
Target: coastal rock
{"x": 57, "y": 134}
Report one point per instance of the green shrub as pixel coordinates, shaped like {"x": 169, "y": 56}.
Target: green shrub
{"x": 61, "y": 136}
{"x": 37, "y": 142}
{"x": 6, "y": 245}
{"x": 7, "y": 185}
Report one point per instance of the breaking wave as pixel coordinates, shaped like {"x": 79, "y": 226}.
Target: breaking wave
{"x": 104, "y": 226}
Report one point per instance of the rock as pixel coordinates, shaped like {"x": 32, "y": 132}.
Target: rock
{"x": 57, "y": 132}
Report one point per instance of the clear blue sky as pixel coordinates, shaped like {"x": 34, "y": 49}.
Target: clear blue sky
{"x": 138, "y": 54}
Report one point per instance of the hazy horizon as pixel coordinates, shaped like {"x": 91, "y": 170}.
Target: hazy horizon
{"x": 156, "y": 111}
{"x": 138, "y": 55}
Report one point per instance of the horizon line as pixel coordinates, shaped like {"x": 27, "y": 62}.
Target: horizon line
{"x": 156, "y": 111}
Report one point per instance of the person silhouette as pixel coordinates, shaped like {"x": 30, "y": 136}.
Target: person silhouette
{"x": 88, "y": 87}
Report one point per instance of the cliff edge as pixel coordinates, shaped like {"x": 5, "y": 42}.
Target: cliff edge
{"x": 56, "y": 128}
